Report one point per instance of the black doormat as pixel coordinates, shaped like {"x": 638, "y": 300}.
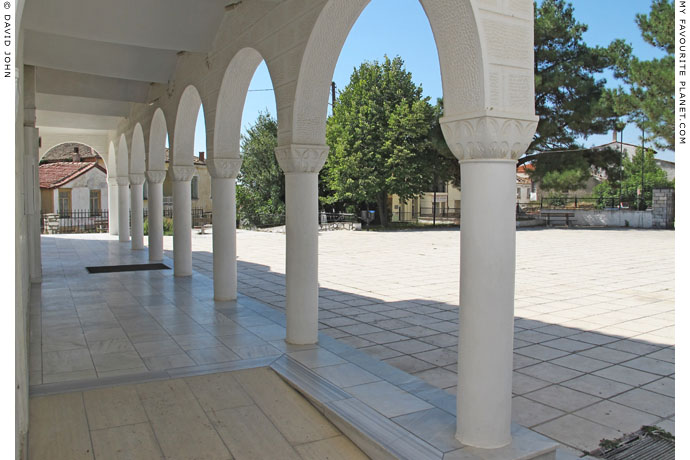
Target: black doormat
{"x": 127, "y": 268}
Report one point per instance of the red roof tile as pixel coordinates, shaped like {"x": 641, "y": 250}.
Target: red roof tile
{"x": 52, "y": 175}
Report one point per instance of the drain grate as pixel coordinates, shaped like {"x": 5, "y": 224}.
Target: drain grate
{"x": 127, "y": 268}
{"x": 642, "y": 445}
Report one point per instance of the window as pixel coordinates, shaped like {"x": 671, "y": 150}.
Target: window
{"x": 146, "y": 190}
{"x": 65, "y": 202}
{"x": 195, "y": 188}
{"x": 518, "y": 193}
{"x": 95, "y": 202}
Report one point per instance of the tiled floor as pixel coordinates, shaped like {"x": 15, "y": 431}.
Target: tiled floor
{"x": 247, "y": 414}
{"x": 594, "y": 316}
{"x": 594, "y": 353}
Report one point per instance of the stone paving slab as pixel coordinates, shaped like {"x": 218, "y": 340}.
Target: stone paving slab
{"x": 594, "y": 310}
{"x": 410, "y": 278}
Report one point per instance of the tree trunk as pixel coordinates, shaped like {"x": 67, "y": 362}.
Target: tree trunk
{"x": 381, "y": 204}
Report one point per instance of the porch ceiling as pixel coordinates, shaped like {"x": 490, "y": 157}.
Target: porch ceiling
{"x": 95, "y": 57}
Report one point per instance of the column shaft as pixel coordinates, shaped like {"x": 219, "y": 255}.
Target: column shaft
{"x": 155, "y": 216}
{"x": 112, "y": 207}
{"x": 224, "y": 238}
{"x": 302, "y": 287}
{"x": 487, "y": 288}
{"x": 182, "y": 227}
{"x": 123, "y": 212}
{"x": 137, "y": 197}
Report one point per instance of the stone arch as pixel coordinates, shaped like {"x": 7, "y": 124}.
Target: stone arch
{"x": 137, "y": 154}
{"x": 182, "y": 148}
{"x": 102, "y": 155}
{"x": 457, "y": 36}
{"x": 231, "y": 99}
{"x": 110, "y": 160}
{"x": 155, "y": 159}
{"x": 122, "y": 158}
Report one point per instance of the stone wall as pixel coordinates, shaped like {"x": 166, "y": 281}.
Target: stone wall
{"x": 664, "y": 208}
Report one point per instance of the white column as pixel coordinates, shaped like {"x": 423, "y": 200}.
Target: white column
{"x": 112, "y": 206}
{"x": 487, "y": 147}
{"x": 155, "y": 214}
{"x": 137, "y": 199}
{"x": 487, "y": 289}
{"x": 223, "y": 175}
{"x": 182, "y": 219}
{"x": 301, "y": 164}
{"x": 32, "y": 202}
{"x": 123, "y": 208}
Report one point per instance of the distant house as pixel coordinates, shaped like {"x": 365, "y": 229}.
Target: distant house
{"x": 71, "y": 186}
{"x": 669, "y": 167}
{"x": 74, "y": 152}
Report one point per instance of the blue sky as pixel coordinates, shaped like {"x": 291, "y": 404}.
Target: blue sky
{"x": 384, "y": 28}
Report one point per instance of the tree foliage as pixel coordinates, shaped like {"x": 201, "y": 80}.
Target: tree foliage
{"x": 380, "y": 138}
{"x": 649, "y": 97}
{"x": 260, "y": 182}
{"x": 639, "y": 172}
{"x": 563, "y": 172}
{"x": 569, "y": 99}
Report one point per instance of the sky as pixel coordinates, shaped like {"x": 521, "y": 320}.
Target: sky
{"x": 383, "y": 29}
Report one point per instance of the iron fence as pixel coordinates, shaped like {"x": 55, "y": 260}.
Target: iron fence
{"x": 75, "y": 221}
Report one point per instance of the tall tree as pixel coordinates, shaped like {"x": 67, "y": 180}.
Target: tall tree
{"x": 649, "y": 96}
{"x": 569, "y": 99}
{"x": 379, "y": 135}
{"x": 260, "y": 183}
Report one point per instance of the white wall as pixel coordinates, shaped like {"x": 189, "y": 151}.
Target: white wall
{"x": 81, "y": 188}
{"x": 613, "y": 218}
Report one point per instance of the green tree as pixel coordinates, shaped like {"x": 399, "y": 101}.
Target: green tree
{"x": 260, "y": 182}
{"x": 379, "y": 136}
{"x": 569, "y": 99}
{"x": 649, "y": 96}
{"x": 640, "y": 173}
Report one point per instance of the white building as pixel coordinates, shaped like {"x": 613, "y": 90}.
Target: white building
{"x": 67, "y": 187}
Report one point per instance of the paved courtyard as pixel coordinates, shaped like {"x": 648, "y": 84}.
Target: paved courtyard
{"x": 594, "y": 319}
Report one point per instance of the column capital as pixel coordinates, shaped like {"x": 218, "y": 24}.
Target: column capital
{"x": 485, "y": 136}
{"x": 182, "y": 173}
{"x": 155, "y": 177}
{"x": 136, "y": 179}
{"x": 123, "y": 181}
{"x": 224, "y": 168}
{"x": 301, "y": 158}
{"x": 112, "y": 181}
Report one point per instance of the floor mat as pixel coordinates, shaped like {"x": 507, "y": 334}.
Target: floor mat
{"x": 126, "y": 268}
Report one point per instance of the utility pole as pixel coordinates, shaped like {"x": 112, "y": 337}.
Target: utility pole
{"x": 332, "y": 94}
{"x": 644, "y": 158}
{"x": 620, "y": 178}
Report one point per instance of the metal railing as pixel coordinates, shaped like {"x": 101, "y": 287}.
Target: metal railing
{"x": 75, "y": 221}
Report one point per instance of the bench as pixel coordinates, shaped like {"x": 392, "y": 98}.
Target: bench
{"x": 559, "y": 217}
{"x": 202, "y": 228}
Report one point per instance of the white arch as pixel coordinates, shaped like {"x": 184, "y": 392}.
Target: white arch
{"x": 182, "y": 151}
{"x": 110, "y": 160}
{"x": 137, "y": 157}
{"x": 122, "y": 158}
{"x": 457, "y": 40}
{"x": 156, "y": 154}
{"x": 231, "y": 99}
{"x": 104, "y": 157}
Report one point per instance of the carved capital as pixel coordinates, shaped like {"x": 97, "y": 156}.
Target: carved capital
{"x": 298, "y": 158}
{"x": 136, "y": 179}
{"x": 182, "y": 173}
{"x": 485, "y": 137}
{"x": 123, "y": 181}
{"x": 112, "y": 181}
{"x": 155, "y": 177}
{"x": 224, "y": 168}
